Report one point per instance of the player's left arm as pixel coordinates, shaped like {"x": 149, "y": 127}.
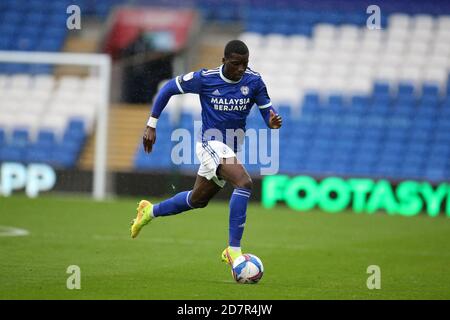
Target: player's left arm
{"x": 269, "y": 114}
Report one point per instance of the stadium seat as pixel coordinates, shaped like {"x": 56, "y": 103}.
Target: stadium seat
{"x": 12, "y": 153}
{"x": 2, "y": 137}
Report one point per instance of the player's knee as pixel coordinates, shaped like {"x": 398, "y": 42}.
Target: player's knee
{"x": 199, "y": 203}
{"x": 245, "y": 182}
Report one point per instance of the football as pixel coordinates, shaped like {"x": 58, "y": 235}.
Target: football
{"x": 247, "y": 268}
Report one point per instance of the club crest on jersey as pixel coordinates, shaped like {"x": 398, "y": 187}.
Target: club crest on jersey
{"x": 244, "y": 90}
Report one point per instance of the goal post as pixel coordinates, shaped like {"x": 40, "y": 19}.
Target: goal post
{"x": 103, "y": 63}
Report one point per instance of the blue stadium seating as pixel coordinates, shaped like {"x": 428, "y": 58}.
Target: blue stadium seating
{"x": 396, "y": 132}
{"x": 12, "y": 153}
{"x": 2, "y": 137}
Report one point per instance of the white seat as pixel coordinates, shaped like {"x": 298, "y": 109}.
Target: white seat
{"x": 8, "y": 109}
{"x": 397, "y": 35}
{"x": 410, "y": 73}
{"x": 252, "y": 40}
{"x": 84, "y": 112}
{"x": 11, "y": 105}
{"x": 349, "y": 32}
{"x": 438, "y": 75}
{"x": 348, "y": 45}
{"x": 423, "y": 22}
{"x": 57, "y": 107}
{"x": 20, "y": 81}
{"x": 414, "y": 59}
{"x": 268, "y": 67}
{"x": 90, "y": 84}
{"x": 338, "y": 70}
{"x": 191, "y": 104}
{"x": 286, "y": 80}
{"x": 324, "y": 31}
{"x": 386, "y": 73}
{"x": 81, "y": 108}
{"x": 440, "y": 48}
{"x": 284, "y": 95}
{"x": 7, "y": 120}
{"x": 298, "y": 42}
{"x": 4, "y": 79}
{"x": 372, "y": 36}
{"x": 443, "y": 22}
{"x": 319, "y": 57}
{"x": 442, "y": 36}
{"x": 43, "y": 82}
{"x": 255, "y": 64}
{"x": 292, "y": 55}
{"x": 310, "y": 82}
{"x": 69, "y": 82}
{"x": 26, "y": 121}
{"x": 370, "y": 46}
{"x": 291, "y": 68}
{"x": 323, "y": 43}
{"x": 342, "y": 58}
{"x": 89, "y": 96}
{"x": 420, "y": 35}
{"x": 272, "y": 53}
{"x": 391, "y": 59}
{"x": 39, "y": 95}
{"x": 367, "y": 58}
{"x": 18, "y": 93}
{"x": 276, "y": 40}
{"x": 333, "y": 84}
{"x": 359, "y": 85}
{"x": 65, "y": 95}
{"x": 419, "y": 48}
{"x": 174, "y": 107}
{"x": 362, "y": 70}
{"x": 437, "y": 61}
{"x": 54, "y": 122}
{"x": 394, "y": 47}
{"x": 399, "y": 20}
{"x": 314, "y": 69}
{"x": 35, "y": 108}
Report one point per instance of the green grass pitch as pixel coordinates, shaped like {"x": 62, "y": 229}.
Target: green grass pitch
{"x": 306, "y": 255}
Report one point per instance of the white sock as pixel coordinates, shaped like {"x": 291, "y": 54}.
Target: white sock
{"x": 235, "y": 249}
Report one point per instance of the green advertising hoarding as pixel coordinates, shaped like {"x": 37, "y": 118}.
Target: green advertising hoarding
{"x": 334, "y": 194}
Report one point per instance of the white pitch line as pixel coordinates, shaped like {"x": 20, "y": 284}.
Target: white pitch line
{"x": 12, "y": 232}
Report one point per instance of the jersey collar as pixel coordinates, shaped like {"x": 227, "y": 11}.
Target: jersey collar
{"x": 225, "y": 78}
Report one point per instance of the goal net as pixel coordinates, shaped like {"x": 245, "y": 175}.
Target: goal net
{"x": 48, "y": 109}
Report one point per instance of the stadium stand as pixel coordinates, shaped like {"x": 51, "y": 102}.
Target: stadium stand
{"x": 381, "y": 97}
{"x": 356, "y": 102}
{"x": 45, "y": 119}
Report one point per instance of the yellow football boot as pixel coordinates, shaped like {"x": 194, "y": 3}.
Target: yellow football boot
{"x": 229, "y": 255}
{"x": 144, "y": 216}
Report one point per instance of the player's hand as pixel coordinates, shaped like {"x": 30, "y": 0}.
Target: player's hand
{"x": 149, "y": 139}
{"x": 275, "y": 120}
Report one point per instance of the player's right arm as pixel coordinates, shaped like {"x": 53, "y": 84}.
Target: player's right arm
{"x": 189, "y": 83}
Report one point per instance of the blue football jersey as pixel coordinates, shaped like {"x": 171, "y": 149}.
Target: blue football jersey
{"x": 225, "y": 103}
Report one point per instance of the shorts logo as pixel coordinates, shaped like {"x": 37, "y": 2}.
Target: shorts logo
{"x": 224, "y": 150}
{"x": 244, "y": 90}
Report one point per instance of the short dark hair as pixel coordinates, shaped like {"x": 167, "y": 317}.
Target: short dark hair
{"x": 235, "y": 46}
